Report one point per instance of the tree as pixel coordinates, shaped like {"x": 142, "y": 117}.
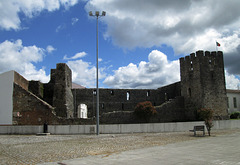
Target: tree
{"x": 144, "y": 110}
{"x": 206, "y": 115}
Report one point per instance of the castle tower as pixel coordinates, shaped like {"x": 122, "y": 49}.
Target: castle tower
{"x": 203, "y": 82}
{"x": 61, "y": 80}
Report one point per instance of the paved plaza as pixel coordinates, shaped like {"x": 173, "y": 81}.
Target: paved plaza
{"x": 223, "y": 147}
{"x": 222, "y": 150}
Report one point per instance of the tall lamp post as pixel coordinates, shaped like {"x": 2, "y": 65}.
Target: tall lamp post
{"x": 97, "y": 111}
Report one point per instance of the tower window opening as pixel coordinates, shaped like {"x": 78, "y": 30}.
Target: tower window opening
{"x": 128, "y": 95}
{"x": 166, "y": 96}
{"x": 210, "y": 61}
{"x": 94, "y": 92}
{"x": 148, "y": 93}
{"x": 191, "y": 66}
{"x": 112, "y": 93}
{"x": 212, "y": 75}
{"x": 189, "y": 92}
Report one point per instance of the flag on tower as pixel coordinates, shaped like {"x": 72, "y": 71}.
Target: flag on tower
{"x": 217, "y": 44}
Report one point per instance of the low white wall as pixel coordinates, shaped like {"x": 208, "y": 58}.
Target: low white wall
{"x": 152, "y": 127}
{"x": 117, "y": 128}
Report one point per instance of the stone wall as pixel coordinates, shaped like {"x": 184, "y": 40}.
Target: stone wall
{"x": 113, "y": 99}
{"x": 123, "y": 99}
{"x": 171, "y": 111}
{"x": 20, "y": 80}
{"x": 203, "y": 82}
{"x": 28, "y": 109}
{"x": 37, "y": 88}
{"x": 59, "y": 92}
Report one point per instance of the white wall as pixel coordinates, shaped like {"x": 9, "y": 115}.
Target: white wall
{"x": 230, "y": 96}
{"x": 6, "y": 93}
{"x": 119, "y": 128}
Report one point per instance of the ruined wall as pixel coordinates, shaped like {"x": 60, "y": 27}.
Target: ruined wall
{"x": 169, "y": 92}
{"x": 59, "y": 92}
{"x": 113, "y": 99}
{"x": 20, "y": 80}
{"x": 123, "y": 99}
{"x": 170, "y": 111}
{"x": 36, "y": 87}
{"x": 203, "y": 82}
{"x": 28, "y": 109}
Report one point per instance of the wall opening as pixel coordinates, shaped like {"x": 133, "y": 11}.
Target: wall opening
{"x": 235, "y": 102}
{"x": 166, "y": 96}
{"x": 189, "y": 92}
{"x": 191, "y": 66}
{"x": 112, "y": 92}
{"x": 128, "y": 95}
{"x": 148, "y": 93}
{"x": 210, "y": 61}
{"x": 82, "y": 111}
{"x": 228, "y": 102}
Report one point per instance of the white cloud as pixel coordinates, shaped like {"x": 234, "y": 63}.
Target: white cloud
{"x": 15, "y": 56}
{"x": 231, "y": 81}
{"x": 186, "y": 26}
{"x": 175, "y": 23}
{"x": 76, "y": 56}
{"x": 60, "y": 27}
{"x": 10, "y": 9}
{"x": 74, "y": 21}
{"x": 158, "y": 71}
{"x": 50, "y": 49}
{"x": 84, "y": 73}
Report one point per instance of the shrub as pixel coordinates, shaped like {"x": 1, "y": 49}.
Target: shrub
{"x": 206, "y": 115}
{"x": 144, "y": 110}
{"x": 235, "y": 115}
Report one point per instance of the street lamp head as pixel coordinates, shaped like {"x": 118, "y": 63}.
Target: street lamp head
{"x": 90, "y": 13}
{"x": 97, "y": 13}
{"x": 103, "y": 13}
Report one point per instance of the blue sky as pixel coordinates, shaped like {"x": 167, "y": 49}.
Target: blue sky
{"x": 140, "y": 41}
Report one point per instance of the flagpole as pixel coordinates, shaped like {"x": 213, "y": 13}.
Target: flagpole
{"x": 216, "y": 47}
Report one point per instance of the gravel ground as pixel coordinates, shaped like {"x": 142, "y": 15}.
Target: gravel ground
{"x": 31, "y": 149}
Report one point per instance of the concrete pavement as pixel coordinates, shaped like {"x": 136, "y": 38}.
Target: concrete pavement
{"x": 223, "y": 149}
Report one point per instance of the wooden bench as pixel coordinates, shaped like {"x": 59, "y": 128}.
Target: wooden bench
{"x": 198, "y": 128}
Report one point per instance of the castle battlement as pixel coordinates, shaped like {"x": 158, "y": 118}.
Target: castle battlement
{"x": 202, "y": 55}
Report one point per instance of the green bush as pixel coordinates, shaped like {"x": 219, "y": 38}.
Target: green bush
{"x": 235, "y": 115}
{"x": 144, "y": 110}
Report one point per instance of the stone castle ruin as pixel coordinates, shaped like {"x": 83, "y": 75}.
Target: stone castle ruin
{"x": 202, "y": 85}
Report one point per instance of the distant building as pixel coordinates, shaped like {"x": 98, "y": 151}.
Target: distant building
{"x": 233, "y": 100}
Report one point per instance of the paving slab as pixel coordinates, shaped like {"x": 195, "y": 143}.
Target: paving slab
{"x": 223, "y": 149}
